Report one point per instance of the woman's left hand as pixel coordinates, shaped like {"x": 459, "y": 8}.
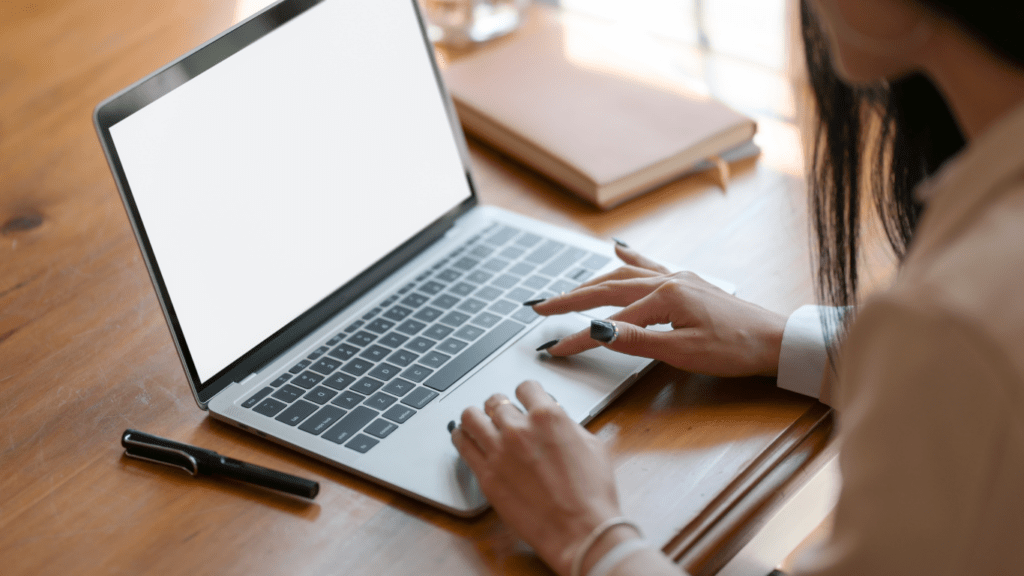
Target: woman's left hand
{"x": 546, "y": 476}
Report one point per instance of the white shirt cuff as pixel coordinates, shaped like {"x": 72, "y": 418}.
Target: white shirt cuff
{"x": 804, "y": 352}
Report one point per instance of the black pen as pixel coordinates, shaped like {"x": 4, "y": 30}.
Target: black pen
{"x": 196, "y": 460}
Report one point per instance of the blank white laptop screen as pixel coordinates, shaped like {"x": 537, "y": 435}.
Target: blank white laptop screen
{"x": 274, "y": 177}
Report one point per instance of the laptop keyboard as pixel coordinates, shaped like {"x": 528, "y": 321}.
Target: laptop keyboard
{"x": 366, "y": 381}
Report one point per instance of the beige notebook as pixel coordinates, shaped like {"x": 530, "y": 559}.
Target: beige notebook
{"x": 604, "y": 128}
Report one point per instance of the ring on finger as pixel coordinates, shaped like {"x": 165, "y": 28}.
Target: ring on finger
{"x": 490, "y": 411}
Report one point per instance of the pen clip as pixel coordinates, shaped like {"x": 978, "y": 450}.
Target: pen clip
{"x": 159, "y": 454}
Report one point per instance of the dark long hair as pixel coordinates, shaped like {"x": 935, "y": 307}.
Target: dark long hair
{"x": 876, "y": 143}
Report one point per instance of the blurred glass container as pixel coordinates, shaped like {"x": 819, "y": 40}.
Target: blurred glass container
{"x": 464, "y": 22}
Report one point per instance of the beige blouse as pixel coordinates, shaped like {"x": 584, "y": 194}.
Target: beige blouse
{"x": 930, "y": 393}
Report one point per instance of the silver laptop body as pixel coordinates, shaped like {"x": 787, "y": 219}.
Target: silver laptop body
{"x": 298, "y": 177}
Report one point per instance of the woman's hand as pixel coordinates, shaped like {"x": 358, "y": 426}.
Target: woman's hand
{"x": 546, "y": 476}
{"x": 713, "y": 332}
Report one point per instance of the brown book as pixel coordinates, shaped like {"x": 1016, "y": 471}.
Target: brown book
{"x": 606, "y": 133}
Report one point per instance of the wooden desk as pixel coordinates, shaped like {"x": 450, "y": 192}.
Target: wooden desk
{"x": 85, "y": 353}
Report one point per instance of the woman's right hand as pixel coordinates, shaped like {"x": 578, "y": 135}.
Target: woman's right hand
{"x": 712, "y": 332}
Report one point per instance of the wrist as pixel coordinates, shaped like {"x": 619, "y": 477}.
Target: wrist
{"x": 605, "y": 543}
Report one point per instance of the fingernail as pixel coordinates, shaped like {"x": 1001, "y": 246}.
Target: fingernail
{"x": 620, "y": 243}
{"x": 451, "y": 426}
{"x": 603, "y": 331}
{"x": 547, "y": 345}
{"x": 534, "y": 302}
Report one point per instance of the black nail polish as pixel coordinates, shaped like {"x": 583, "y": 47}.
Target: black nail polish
{"x": 603, "y": 331}
{"x": 534, "y": 302}
{"x": 547, "y": 345}
{"x": 451, "y": 426}
{"x": 620, "y": 243}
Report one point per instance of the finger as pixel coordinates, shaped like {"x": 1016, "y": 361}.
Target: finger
{"x": 634, "y": 258}
{"x": 502, "y": 412}
{"x": 467, "y": 448}
{"x": 620, "y": 273}
{"x": 480, "y": 429}
{"x": 609, "y": 293}
{"x": 633, "y": 319}
{"x": 533, "y": 396}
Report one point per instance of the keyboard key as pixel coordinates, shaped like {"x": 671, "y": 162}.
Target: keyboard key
{"x": 334, "y": 340}
{"x": 369, "y": 315}
{"x": 529, "y": 240}
{"x": 561, "y": 286}
{"x": 473, "y": 355}
{"x": 348, "y": 399}
{"x": 580, "y": 274}
{"x": 257, "y": 397}
{"x": 416, "y": 373}
{"x": 318, "y": 352}
{"x": 375, "y": 353}
{"x": 545, "y": 252}
{"x": 380, "y": 325}
{"x": 469, "y": 332}
{"x": 472, "y": 305}
{"x": 502, "y": 236}
{"x": 411, "y": 327}
{"x": 350, "y": 424}
{"x": 399, "y": 413}
{"x": 367, "y": 385}
{"x": 462, "y": 289}
{"x": 495, "y": 264}
{"x": 339, "y": 381}
{"x": 595, "y": 262}
{"x": 566, "y": 258}
{"x": 320, "y": 395}
{"x": 505, "y": 281}
{"x": 343, "y": 352}
{"x": 521, "y": 269}
{"x": 362, "y": 338}
{"x": 399, "y": 387}
{"x": 489, "y": 293}
{"x": 307, "y": 379}
{"x": 519, "y": 295}
{"x": 269, "y": 407}
{"x": 438, "y": 331}
{"x": 434, "y": 359}
{"x": 479, "y": 276}
{"x": 362, "y": 443}
{"x": 398, "y": 313}
{"x": 525, "y": 315}
{"x": 504, "y": 306}
{"x": 380, "y": 401}
{"x": 536, "y": 282}
{"x": 481, "y": 251}
{"x": 385, "y": 371}
{"x": 421, "y": 344}
{"x": 393, "y": 340}
{"x": 465, "y": 263}
{"x": 511, "y": 252}
{"x": 300, "y": 366}
{"x": 486, "y": 319}
{"x": 428, "y": 314}
{"x": 449, "y": 275}
{"x": 297, "y": 413}
{"x": 419, "y": 397}
{"x": 289, "y": 393}
{"x": 450, "y": 346}
{"x": 455, "y": 319}
{"x": 444, "y": 301}
{"x": 431, "y": 287}
{"x": 389, "y": 301}
{"x": 357, "y": 366}
{"x": 407, "y": 287}
{"x": 323, "y": 419}
{"x": 281, "y": 380}
{"x": 381, "y": 428}
{"x": 402, "y": 357}
{"x": 414, "y": 300}
{"x": 354, "y": 326}
{"x": 325, "y": 366}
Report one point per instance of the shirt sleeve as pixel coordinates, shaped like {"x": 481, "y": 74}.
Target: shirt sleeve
{"x": 804, "y": 353}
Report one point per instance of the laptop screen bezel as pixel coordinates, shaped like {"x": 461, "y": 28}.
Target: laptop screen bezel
{"x": 187, "y": 67}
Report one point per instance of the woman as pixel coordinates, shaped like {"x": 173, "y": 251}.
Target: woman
{"x": 930, "y": 378}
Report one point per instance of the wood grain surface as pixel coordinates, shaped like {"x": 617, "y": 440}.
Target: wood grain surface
{"x": 85, "y": 352}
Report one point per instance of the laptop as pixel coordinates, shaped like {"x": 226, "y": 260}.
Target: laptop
{"x": 300, "y": 191}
